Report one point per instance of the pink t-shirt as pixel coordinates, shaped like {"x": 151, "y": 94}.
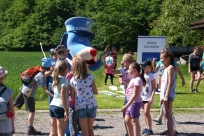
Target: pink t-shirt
{"x": 71, "y": 101}
{"x": 129, "y": 91}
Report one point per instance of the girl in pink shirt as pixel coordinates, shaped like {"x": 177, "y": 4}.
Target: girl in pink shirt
{"x": 134, "y": 99}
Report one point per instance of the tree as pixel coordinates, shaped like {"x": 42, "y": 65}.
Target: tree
{"x": 174, "y": 19}
{"x": 27, "y": 22}
{"x": 118, "y": 23}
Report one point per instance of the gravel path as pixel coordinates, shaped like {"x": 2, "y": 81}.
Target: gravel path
{"x": 111, "y": 124}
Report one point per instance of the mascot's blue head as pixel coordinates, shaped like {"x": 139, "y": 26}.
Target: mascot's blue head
{"x": 77, "y": 39}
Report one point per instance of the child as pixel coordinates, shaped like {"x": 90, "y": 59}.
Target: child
{"x": 134, "y": 100}
{"x": 168, "y": 85}
{"x": 148, "y": 96}
{"x": 82, "y": 90}
{"x": 72, "y": 124}
{"x": 59, "y": 105}
{"x": 194, "y": 68}
{"x": 108, "y": 74}
{"x": 120, "y": 76}
{"x": 6, "y": 125}
{"x": 28, "y": 91}
{"x": 126, "y": 61}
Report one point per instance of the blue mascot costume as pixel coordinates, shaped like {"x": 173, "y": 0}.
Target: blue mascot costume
{"x": 76, "y": 40}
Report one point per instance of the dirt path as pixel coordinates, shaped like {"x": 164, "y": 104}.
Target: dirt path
{"x": 111, "y": 124}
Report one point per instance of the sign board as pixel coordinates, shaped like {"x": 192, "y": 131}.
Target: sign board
{"x": 149, "y": 47}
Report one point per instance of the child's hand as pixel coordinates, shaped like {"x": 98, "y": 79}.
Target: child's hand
{"x": 124, "y": 108}
{"x": 66, "y": 114}
{"x": 165, "y": 99}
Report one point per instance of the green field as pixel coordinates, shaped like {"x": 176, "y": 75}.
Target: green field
{"x": 17, "y": 62}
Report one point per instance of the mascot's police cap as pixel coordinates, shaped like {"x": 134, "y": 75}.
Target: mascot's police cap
{"x": 78, "y": 23}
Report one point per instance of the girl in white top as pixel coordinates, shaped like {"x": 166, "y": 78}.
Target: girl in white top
{"x": 59, "y": 105}
{"x": 168, "y": 85}
{"x": 82, "y": 90}
{"x": 148, "y": 96}
{"x": 134, "y": 100}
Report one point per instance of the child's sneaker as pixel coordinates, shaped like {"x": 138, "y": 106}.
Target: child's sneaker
{"x": 158, "y": 120}
{"x": 32, "y": 131}
{"x": 196, "y": 90}
{"x": 149, "y": 132}
{"x": 144, "y": 131}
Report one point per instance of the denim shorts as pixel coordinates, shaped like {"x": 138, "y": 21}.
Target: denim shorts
{"x": 56, "y": 112}
{"x": 85, "y": 113}
{"x": 170, "y": 99}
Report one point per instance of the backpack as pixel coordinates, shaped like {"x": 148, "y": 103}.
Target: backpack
{"x": 3, "y": 106}
{"x": 27, "y": 75}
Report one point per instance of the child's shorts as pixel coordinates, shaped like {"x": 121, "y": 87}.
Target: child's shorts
{"x": 56, "y": 112}
{"x": 85, "y": 113}
{"x": 134, "y": 110}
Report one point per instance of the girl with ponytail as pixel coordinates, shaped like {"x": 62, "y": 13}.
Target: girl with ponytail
{"x": 59, "y": 105}
{"x": 134, "y": 100}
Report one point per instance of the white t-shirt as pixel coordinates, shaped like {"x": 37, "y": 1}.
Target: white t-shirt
{"x": 125, "y": 77}
{"x": 56, "y": 101}
{"x": 147, "y": 90}
{"x": 129, "y": 92}
{"x": 109, "y": 60}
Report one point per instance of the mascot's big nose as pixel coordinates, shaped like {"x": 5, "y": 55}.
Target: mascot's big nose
{"x": 93, "y": 52}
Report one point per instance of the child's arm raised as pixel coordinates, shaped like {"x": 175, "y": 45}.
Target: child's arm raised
{"x": 95, "y": 91}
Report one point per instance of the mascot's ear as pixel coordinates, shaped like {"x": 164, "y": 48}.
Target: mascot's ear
{"x": 83, "y": 33}
{"x": 63, "y": 39}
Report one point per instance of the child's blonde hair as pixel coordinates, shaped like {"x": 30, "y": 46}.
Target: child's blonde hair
{"x": 128, "y": 58}
{"x": 60, "y": 68}
{"x": 79, "y": 68}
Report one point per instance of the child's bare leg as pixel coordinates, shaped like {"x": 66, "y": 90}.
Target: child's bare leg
{"x": 90, "y": 126}
{"x": 170, "y": 124}
{"x": 147, "y": 115}
{"x": 53, "y": 127}
{"x": 136, "y": 126}
{"x": 129, "y": 126}
{"x": 84, "y": 127}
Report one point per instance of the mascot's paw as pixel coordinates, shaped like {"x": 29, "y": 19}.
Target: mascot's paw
{"x": 103, "y": 56}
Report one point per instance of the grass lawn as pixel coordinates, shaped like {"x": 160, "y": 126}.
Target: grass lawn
{"x": 17, "y": 62}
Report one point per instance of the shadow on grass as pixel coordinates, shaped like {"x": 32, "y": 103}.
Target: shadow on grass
{"x": 178, "y": 93}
